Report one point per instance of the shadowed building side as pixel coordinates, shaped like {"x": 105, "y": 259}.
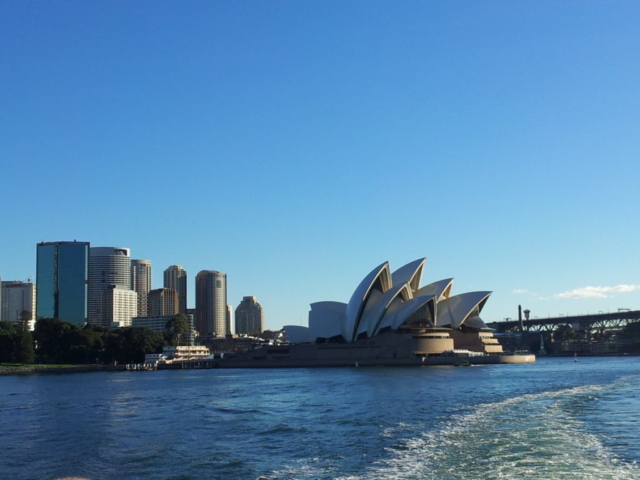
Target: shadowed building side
{"x": 211, "y": 303}
{"x": 249, "y": 317}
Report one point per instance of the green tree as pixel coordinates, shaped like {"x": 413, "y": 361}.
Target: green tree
{"x": 52, "y": 339}
{"x": 25, "y": 316}
{"x": 564, "y": 333}
{"x": 7, "y": 341}
{"x": 176, "y": 328}
{"x": 631, "y": 332}
{"x": 84, "y": 345}
{"x": 131, "y": 344}
{"x": 24, "y": 343}
{"x": 16, "y": 343}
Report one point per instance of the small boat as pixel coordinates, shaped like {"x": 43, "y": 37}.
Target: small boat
{"x": 462, "y": 364}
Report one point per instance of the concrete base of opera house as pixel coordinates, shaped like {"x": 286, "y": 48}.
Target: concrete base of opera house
{"x": 387, "y": 349}
{"x": 432, "y": 361}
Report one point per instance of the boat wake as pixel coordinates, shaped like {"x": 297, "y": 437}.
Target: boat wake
{"x": 527, "y": 437}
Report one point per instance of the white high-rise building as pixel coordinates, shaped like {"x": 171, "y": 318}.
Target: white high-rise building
{"x": 141, "y": 283}
{"x": 119, "y": 306}
{"x": 17, "y": 297}
{"x": 107, "y": 266}
{"x": 175, "y": 277}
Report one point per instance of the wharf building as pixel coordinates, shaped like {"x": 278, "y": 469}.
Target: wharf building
{"x": 212, "y": 318}
{"x": 62, "y": 275}
{"x": 141, "y": 283}
{"x": 162, "y": 301}
{"x": 18, "y": 303}
{"x": 177, "y": 354}
{"x": 107, "y": 266}
{"x": 249, "y": 317}
{"x": 175, "y": 277}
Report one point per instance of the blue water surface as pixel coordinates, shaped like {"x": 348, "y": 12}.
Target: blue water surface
{"x": 554, "y": 419}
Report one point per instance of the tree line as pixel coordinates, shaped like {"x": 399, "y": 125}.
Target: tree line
{"x": 56, "y": 341}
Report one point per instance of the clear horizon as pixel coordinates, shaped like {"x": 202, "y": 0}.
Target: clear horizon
{"x": 295, "y": 146}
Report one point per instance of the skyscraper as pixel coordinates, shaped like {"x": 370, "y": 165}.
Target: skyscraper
{"x": 107, "y": 266}
{"x": 162, "y": 301}
{"x": 175, "y": 277}
{"x": 211, "y": 303}
{"x": 17, "y": 297}
{"x": 62, "y": 273}
{"x": 141, "y": 283}
{"x": 249, "y": 317}
{"x": 119, "y": 306}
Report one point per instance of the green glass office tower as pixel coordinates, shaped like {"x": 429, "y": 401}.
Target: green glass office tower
{"x": 62, "y": 276}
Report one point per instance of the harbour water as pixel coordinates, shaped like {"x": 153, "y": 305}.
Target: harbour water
{"x": 554, "y": 419}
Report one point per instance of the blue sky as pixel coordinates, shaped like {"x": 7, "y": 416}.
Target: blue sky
{"x": 297, "y": 145}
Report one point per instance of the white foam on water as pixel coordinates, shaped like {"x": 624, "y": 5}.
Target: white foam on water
{"x": 526, "y": 437}
{"x": 303, "y": 469}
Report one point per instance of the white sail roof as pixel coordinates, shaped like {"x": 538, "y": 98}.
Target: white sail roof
{"x": 453, "y": 311}
{"x": 411, "y": 273}
{"x": 379, "y": 280}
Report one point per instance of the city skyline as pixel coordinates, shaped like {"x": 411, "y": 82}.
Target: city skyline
{"x": 291, "y": 146}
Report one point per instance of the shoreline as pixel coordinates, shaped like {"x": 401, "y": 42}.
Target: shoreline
{"x": 43, "y": 369}
{"x": 35, "y": 370}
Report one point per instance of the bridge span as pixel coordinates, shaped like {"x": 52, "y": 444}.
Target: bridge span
{"x": 599, "y": 321}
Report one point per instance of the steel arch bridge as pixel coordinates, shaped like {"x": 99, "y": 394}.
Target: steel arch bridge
{"x": 601, "y": 321}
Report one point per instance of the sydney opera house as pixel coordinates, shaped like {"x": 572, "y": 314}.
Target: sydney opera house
{"x": 392, "y": 320}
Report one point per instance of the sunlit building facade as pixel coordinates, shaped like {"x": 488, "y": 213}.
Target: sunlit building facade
{"x": 17, "y": 298}
{"x": 141, "y": 283}
{"x": 119, "y": 306}
{"x": 162, "y": 301}
{"x": 107, "y": 266}
{"x": 175, "y": 277}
